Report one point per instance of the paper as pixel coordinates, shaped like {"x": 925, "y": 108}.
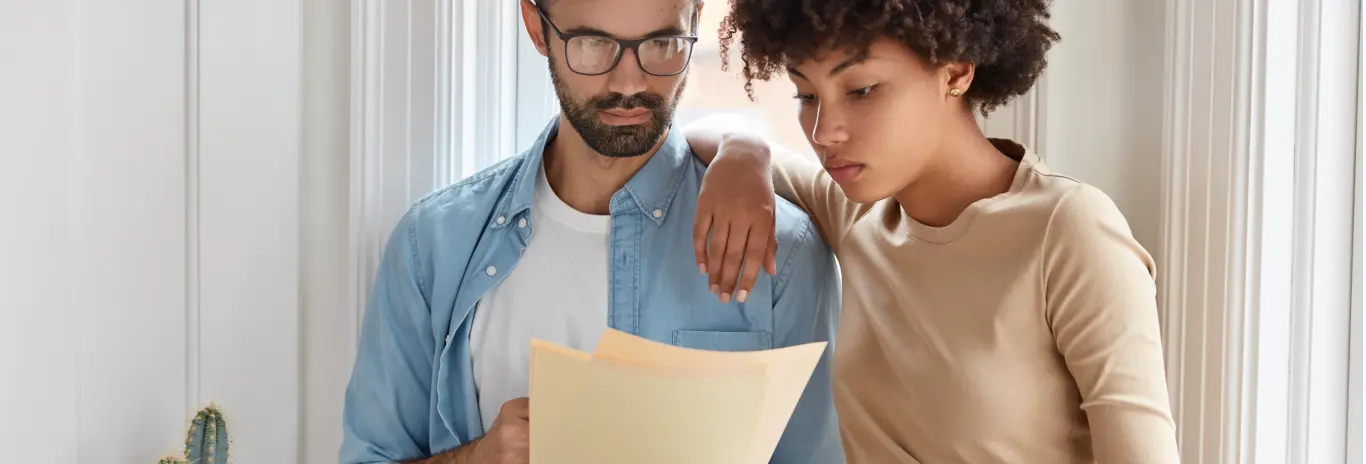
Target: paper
{"x": 634, "y": 400}
{"x": 787, "y": 369}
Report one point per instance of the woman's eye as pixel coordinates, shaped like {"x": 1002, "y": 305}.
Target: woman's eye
{"x": 863, "y": 92}
{"x": 805, "y": 99}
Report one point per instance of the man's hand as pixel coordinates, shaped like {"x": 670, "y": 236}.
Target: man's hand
{"x": 734, "y": 231}
{"x": 509, "y": 440}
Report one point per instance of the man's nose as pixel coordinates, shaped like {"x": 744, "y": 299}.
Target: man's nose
{"x": 627, "y": 78}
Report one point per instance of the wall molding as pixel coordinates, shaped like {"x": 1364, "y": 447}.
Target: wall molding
{"x": 363, "y": 134}
{"x": 1198, "y": 313}
{"x": 1354, "y": 387}
{"x": 326, "y": 340}
{"x": 433, "y": 99}
{"x": 192, "y": 282}
{"x": 152, "y": 152}
{"x": 246, "y": 118}
{"x": 1022, "y": 120}
{"x": 1031, "y": 116}
{"x": 1255, "y": 306}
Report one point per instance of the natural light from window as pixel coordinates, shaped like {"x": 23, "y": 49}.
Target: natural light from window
{"x": 711, "y": 90}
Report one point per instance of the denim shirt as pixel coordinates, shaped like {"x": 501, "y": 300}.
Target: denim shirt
{"x": 411, "y": 393}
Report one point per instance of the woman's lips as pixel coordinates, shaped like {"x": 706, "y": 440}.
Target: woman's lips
{"x": 842, "y": 171}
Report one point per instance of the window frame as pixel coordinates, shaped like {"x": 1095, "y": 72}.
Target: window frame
{"x": 434, "y": 98}
{"x": 1258, "y": 222}
{"x": 1357, "y": 332}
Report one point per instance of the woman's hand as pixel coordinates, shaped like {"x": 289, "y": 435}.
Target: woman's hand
{"x": 736, "y": 205}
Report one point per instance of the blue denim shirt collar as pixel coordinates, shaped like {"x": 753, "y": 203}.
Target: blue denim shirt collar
{"x": 652, "y": 188}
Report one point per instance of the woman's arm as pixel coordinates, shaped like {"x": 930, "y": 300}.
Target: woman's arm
{"x": 796, "y": 178}
{"x": 1102, "y": 307}
{"x": 735, "y": 208}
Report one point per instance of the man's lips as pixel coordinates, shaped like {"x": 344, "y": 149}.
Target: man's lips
{"x": 626, "y": 113}
{"x": 622, "y": 116}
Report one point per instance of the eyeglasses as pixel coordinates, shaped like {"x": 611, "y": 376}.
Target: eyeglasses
{"x": 593, "y": 55}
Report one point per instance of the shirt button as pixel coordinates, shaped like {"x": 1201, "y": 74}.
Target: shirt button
{"x": 491, "y": 270}
{"x": 659, "y": 213}
{"x": 502, "y": 219}
{"x": 449, "y": 337}
{"x": 521, "y": 223}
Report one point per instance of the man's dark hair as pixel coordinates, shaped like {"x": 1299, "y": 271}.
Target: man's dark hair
{"x": 1005, "y": 39}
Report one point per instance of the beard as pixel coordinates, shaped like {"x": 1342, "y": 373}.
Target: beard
{"x": 616, "y": 141}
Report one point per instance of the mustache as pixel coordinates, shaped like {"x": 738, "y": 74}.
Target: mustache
{"x": 652, "y": 101}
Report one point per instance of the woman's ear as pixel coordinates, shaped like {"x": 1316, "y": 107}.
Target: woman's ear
{"x": 957, "y": 77}
{"x": 535, "y": 28}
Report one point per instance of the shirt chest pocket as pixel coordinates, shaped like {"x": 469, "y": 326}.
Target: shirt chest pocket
{"x": 722, "y": 341}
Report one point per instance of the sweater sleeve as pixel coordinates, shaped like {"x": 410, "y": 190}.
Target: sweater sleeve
{"x": 1102, "y": 308}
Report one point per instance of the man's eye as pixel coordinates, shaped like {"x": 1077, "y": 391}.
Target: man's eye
{"x": 595, "y": 41}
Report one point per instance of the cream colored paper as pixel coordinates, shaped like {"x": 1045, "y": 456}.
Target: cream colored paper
{"x": 788, "y": 370}
{"x": 635, "y": 400}
{"x": 586, "y": 410}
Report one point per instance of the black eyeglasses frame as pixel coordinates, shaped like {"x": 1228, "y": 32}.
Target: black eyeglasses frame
{"x": 622, "y": 46}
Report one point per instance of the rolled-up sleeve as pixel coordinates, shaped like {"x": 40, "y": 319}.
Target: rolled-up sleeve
{"x": 806, "y": 309}
{"x": 386, "y": 413}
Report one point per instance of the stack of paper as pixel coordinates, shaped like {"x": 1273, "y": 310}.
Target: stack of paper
{"x": 637, "y": 401}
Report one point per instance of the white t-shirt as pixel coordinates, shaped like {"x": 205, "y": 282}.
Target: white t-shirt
{"x": 557, "y": 292}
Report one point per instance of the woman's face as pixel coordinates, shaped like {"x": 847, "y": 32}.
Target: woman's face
{"x": 875, "y": 119}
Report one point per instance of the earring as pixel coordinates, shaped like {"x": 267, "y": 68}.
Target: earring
{"x": 956, "y": 92}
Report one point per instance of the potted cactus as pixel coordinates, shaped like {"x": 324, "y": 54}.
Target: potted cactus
{"x": 207, "y": 441}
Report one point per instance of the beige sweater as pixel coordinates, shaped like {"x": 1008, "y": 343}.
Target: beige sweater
{"x": 1024, "y": 332}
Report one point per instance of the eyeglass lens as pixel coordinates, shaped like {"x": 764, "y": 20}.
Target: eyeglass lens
{"x": 596, "y": 55}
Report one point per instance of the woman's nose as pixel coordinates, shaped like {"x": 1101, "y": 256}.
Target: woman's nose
{"x": 829, "y": 128}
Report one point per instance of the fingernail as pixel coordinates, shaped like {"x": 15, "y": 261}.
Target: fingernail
{"x": 715, "y": 288}
{"x": 725, "y": 298}
{"x": 701, "y": 268}
{"x": 741, "y": 295}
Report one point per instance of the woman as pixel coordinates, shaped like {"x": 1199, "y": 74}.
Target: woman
{"x": 994, "y": 311}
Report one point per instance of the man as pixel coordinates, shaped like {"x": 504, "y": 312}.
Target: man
{"x": 586, "y": 230}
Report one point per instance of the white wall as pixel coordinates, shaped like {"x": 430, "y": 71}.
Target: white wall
{"x": 93, "y": 246}
{"x": 247, "y": 211}
{"x": 1102, "y": 104}
{"x": 329, "y": 328}
{"x": 150, "y": 177}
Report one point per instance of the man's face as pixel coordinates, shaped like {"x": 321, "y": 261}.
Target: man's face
{"x": 623, "y": 112}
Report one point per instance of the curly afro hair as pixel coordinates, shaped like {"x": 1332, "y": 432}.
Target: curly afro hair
{"x": 1006, "y": 40}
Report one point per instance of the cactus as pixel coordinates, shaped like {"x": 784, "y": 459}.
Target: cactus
{"x": 206, "y": 441}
